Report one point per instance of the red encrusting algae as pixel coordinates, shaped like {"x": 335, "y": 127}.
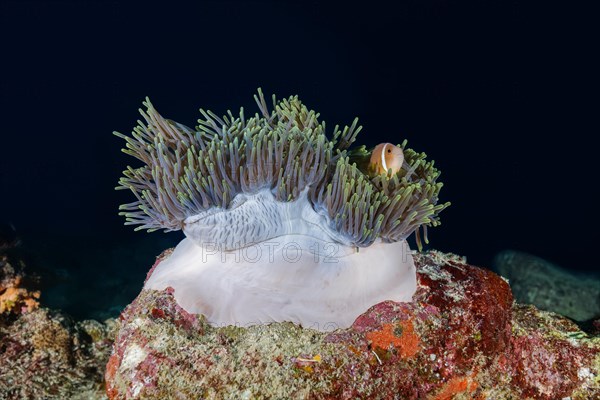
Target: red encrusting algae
{"x": 401, "y": 336}
{"x": 455, "y": 386}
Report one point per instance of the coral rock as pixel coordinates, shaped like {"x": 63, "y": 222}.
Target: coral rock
{"x": 460, "y": 337}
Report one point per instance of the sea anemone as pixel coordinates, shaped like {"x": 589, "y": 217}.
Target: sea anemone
{"x": 280, "y": 225}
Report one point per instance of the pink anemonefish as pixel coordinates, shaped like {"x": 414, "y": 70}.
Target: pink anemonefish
{"x": 386, "y": 156}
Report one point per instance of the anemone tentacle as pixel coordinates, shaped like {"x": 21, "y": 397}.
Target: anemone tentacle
{"x": 284, "y": 149}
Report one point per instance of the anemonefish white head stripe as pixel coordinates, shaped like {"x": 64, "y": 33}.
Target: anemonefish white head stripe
{"x": 386, "y": 156}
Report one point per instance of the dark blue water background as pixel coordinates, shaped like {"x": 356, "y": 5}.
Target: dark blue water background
{"x": 497, "y": 93}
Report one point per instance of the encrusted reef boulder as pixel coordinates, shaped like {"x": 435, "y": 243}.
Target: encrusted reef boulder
{"x": 461, "y": 338}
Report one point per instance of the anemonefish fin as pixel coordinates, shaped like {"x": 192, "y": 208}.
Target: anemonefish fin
{"x": 386, "y": 156}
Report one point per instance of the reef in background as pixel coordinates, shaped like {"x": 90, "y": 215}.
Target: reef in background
{"x": 462, "y": 337}
{"x": 549, "y": 287}
{"x": 44, "y": 354}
